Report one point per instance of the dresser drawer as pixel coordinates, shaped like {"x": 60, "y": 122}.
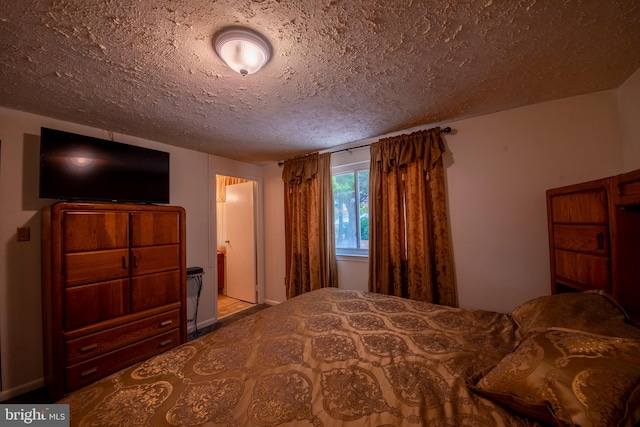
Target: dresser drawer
{"x": 93, "y": 345}
{"x": 583, "y": 238}
{"x": 90, "y": 370}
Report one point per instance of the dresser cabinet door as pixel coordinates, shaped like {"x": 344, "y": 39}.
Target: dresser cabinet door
{"x": 579, "y": 236}
{"x": 90, "y": 267}
{"x": 590, "y": 271}
{"x": 92, "y": 231}
{"x": 154, "y": 228}
{"x": 154, "y": 259}
{"x": 581, "y": 207}
{"x": 154, "y": 290}
{"x": 96, "y": 302}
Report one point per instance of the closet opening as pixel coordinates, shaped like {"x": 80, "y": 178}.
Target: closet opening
{"x": 236, "y": 244}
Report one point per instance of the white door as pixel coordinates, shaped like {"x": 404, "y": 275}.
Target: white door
{"x": 240, "y": 271}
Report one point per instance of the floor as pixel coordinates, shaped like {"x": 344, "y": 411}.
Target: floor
{"x": 229, "y": 310}
{"x": 228, "y": 306}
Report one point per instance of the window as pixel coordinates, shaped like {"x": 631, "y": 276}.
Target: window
{"x": 351, "y": 208}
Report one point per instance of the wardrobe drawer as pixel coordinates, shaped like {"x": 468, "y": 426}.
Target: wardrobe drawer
{"x": 90, "y": 370}
{"x": 583, "y": 238}
{"x": 93, "y": 345}
{"x": 155, "y": 290}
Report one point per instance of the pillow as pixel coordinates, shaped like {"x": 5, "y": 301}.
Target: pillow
{"x": 590, "y": 311}
{"x": 583, "y": 379}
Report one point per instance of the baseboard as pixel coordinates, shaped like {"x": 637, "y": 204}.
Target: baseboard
{"x": 201, "y": 325}
{"x": 21, "y": 389}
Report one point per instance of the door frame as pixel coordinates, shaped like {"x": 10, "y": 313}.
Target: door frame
{"x": 221, "y": 168}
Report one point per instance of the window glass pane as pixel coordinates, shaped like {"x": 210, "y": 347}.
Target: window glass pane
{"x": 344, "y": 204}
{"x": 363, "y": 207}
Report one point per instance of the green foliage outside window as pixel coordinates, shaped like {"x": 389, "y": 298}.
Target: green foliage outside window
{"x": 351, "y": 209}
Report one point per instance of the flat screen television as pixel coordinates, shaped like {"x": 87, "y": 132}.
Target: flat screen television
{"x": 82, "y": 168}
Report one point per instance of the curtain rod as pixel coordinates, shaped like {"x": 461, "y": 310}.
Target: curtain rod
{"x": 280, "y": 163}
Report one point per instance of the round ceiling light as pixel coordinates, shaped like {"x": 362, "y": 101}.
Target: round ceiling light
{"x": 244, "y": 51}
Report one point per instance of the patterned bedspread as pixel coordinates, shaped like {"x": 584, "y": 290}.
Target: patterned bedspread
{"x": 325, "y": 358}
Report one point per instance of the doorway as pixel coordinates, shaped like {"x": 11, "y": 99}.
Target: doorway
{"x": 236, "y": 244}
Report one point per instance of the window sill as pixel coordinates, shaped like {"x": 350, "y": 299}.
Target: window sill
{"x": 352, "y": 258}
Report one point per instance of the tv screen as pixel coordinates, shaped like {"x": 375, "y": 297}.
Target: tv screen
{"x": 82, "y": 168}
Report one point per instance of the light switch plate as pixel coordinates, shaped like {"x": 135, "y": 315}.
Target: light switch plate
{"x": 24, "y": 234}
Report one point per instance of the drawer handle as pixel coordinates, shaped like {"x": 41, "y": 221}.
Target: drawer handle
{"x": 88, "y": 348}
{"x": 600, "y": 241}
{"x": 124, "y": 262}
{"x": 166, "y": 323}
{"x": 88, "y": 372}
{"x": 165, "y": 343}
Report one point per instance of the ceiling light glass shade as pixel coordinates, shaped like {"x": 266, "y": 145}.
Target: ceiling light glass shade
{"x": 81, "y": 161}
{"x": 244, "y": 50}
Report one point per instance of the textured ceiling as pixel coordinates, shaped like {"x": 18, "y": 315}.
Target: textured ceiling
{"x": 341, "y": 71}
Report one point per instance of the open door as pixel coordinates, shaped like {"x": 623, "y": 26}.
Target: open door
{"x": 240, "y": 242}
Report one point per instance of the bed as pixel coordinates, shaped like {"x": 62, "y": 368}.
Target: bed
{"x": 347, "y": 358}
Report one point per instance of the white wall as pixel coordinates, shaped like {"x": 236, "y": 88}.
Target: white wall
{"x": 629, "y": 98}
{"x": 501, "y": 166}
{"x": 274, "y": 248}
{"x": 498, "y": 168}
{"x": 20, "y": 294}
{"x": 353, "y": 273}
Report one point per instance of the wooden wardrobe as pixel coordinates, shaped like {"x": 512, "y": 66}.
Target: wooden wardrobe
{"x": 113, "y": 288}
{"x": 594, "y": 238}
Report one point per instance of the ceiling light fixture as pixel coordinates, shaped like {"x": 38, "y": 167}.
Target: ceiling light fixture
{"x": 245, "y": 51}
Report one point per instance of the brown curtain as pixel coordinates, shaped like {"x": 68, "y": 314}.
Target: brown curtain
{"x": 409, "y": 254}
{"x": 309, "y": 237}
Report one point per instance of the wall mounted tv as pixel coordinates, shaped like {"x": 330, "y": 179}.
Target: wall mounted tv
{"x": 82, "y": 168}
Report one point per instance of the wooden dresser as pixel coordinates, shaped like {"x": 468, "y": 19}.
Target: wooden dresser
{"x": 594, "y": 238}
{"x": 113, "y": 288}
